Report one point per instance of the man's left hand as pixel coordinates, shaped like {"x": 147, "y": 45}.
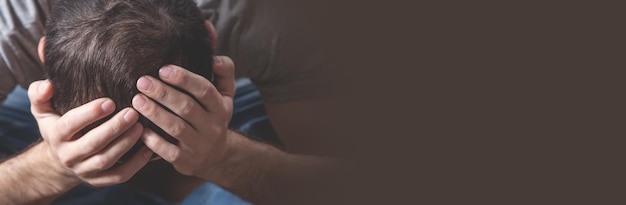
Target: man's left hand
{"x": 200, "y": 124}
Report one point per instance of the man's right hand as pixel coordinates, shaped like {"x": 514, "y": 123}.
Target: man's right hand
{"x": 92, "y": 157}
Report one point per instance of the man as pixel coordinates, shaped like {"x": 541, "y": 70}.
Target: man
{"x": 99, "y": 48}
{"x": 266, "y": 46}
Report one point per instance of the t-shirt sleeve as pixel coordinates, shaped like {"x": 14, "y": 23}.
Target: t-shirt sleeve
{"x": 21, "y": 27}
{"x": 272, "y": 48}
{"x": 294, "y": 69}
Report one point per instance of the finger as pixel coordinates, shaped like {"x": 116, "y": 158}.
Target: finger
{"x": 178, "y": 102}
{"x": 168, "y": 122}
{"x": 212, "y": 33}
{"x": 224, "y": 71}
{"x": 78, "y": 118}
{"x": 124, "y": 171}
{"x": 166, "y": 150}
{"x": 39, "y": 94}
{"x": 199, "y": 87}
{"x": 98, "y": 138}
{"x": 108, "y": 156}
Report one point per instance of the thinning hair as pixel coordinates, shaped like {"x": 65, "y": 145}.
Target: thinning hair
{"x": 100, "y": 48}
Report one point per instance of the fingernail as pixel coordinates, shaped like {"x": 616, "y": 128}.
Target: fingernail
{"x": 131, "y": 116}
{"x": 43, "y": 85}
{"x": 166, "y": 72}
{"x": 108, "y": 106}
{"x": 217, "y": 60}
{"x": 144, "y": 84}
{"x": 139, "y": 101}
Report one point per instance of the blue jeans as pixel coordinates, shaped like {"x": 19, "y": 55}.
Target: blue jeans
{"x": 18, "y": 130}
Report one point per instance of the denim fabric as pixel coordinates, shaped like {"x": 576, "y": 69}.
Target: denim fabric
{"x": 210, "y": 193}
{"x": 18, "y": 130}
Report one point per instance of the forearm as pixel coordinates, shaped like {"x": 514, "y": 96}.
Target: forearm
{"x": 31, "y": 178}
{"x": 263, "y": 174}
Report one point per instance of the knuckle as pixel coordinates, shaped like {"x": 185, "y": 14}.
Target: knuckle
{"x": 100, "y": 163}
{"x": 209, "y": 91}
{"x": 92, "y": 108}
{"x": 116, "y": 127}
{"x": 161, "y": 94}
{"x": 174, "y": 155}
{"x": 218, "y": 131}
{"x": 52, "y": 136}
{"x": 179, "y": 77}
{"x": 89, "y": 147}
{"x": 66, "y": 161}
{"x": 229, "y": 110}
{"x": 159, "y": 91}
{"x": 184, "y": 171}
{"x": 117, "y": 179}
{"x": 92, "y": 182}
{"x": 223, "y": 111}
{"x": 63, "y": 124}
{"x": 150, "y": 110}
{"x": 121, "y": 178}
{"x": 81, "y": 174}
{"x": 225, "y": 116}
{"x": 204, "y": 93}
{"x": 177, "y": 129}
{"x": 209, "y": 87}
{"x": 187, "y": 107}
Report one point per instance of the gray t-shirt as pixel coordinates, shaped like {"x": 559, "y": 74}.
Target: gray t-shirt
{"x": 265, "y": 43}
{"x": 21, "y": 27}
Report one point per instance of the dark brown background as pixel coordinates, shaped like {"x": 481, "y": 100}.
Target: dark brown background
{"x": 464, "y": 102}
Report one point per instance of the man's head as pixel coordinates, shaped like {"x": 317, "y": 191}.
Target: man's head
{"x": 99, "y": 48}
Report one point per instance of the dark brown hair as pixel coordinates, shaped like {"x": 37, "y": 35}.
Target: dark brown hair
{"x": 99, "y": 48}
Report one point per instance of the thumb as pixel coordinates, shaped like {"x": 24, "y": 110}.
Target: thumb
{"x": 40, "y": 93}
{"x": 224, "y": 71}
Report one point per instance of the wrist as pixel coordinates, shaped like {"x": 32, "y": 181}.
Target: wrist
{"x": 58, "y": 177}
{"x": 33, "y": 178}
{"x": 217, "y": 170}
{"x": 246, "y": 166}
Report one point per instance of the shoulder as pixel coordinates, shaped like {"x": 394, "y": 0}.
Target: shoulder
{"x": 272, "y": 44}
{"x": 19, "y": 35}
{"x": 17, "y": 14}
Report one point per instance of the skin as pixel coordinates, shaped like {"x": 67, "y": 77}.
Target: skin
{"x": 50, "y": 168}
{"x": 63, "y": 160}
{"x": 255, "y": 171}
{"x": 207, "y": 149}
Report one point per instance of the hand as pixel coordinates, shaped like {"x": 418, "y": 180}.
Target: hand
{"x": 200, "y": 126}
{"x": 91, "y": 157}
